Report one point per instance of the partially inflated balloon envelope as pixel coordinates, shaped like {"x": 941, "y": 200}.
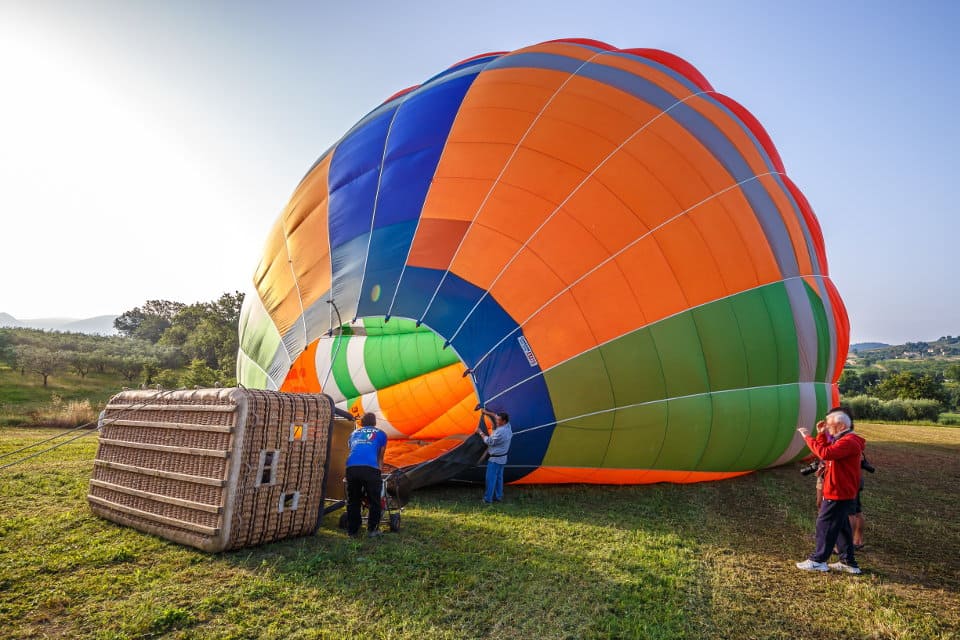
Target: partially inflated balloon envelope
{"x": 590, "y": 239}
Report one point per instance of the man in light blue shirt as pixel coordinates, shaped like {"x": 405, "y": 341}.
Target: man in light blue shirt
{"x": 498, "y": 444}
{"x": 367, "y": 445}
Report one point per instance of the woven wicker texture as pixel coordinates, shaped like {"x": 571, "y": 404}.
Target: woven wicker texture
{"x": 215, "y": 469}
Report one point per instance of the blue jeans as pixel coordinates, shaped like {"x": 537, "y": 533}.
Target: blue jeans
{"x": 494, "y": 482}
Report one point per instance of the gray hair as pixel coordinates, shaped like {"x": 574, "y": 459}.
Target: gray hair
{"x": 842, "y": 417}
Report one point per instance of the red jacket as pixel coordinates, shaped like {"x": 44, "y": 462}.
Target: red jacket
{"x": 842, "y": 460}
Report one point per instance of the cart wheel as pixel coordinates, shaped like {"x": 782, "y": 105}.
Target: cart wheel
{"x": 342, "y": 523}
{"x": 394, "y": 522}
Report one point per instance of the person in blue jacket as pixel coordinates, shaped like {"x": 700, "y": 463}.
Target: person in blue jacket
{"x": 498, "y": 445}
{"x": 367, "y": 445}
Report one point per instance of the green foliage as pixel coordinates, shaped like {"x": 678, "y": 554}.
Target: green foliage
{"x": 40, "y": 360}
{"x": 24, "y": 399}
{"x": 853, "y": 382}
{"x": 167, "y": 378}
{"x": 208, "y": 331}
{"x": 951, "y": 419}
{"x": 870, "y": 408}
{"x": 149, "y": 321}
{"x": 888, "y": 374}
{"x": 6, "y": 347}
{"x": 697, "y": 561}
{"x": 159, "y": 338}
{"x": 909, "y": 385}
{"x": 953, "y": 396}
{"x": 849, "y": 383}
{"x": 198, "y": 374}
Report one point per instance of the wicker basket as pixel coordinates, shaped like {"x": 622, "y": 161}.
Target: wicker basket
{"x": 215, "y": 469}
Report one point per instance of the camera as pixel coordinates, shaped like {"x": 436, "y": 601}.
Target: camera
{"x": 866, "y": 466}
{"x": 807, "y": 469}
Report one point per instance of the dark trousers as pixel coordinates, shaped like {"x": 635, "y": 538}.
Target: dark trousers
{"x": 363, "y": 482}
{"x": 833, "y": 528}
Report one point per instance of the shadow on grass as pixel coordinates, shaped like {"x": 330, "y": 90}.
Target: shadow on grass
{"x": 459, "y": 566}
{"x": 697, "y": 561}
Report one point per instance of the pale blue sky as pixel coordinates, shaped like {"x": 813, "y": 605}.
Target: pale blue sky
{"x": 147, "y": 147}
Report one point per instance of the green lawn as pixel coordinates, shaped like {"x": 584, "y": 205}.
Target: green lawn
{"x": 664, "y": 561}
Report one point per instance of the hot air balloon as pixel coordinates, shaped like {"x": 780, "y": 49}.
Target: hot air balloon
{"x": 589, "y": 238}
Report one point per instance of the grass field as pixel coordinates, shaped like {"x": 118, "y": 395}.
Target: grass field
{"x": 22, "y": 397}
{"x": 664, "y": 561}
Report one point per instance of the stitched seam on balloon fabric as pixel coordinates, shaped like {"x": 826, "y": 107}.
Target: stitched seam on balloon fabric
{"x": 658, "y": 401}
{"x": 257, "y": 364}
{"x": 760, "y": 286}
{"x": 376, "y": 201}
{"x": 564, "y": 201}
{"x": 275, "y": 328}
{"x": 296, "y": 283}
{"x": 493, "y": 186}
{"x": 607, "y": 260}
{"x": 403, "y": 268}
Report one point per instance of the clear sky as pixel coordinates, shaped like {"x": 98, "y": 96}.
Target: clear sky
{"x": 147, "y": 147}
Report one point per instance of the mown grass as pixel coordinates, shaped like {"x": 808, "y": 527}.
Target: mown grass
{"x": 664, "y": 561}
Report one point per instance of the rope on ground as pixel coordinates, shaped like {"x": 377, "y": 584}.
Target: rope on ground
{"x": 99, "y": 424}
{"x": 39, "y": 453}
{"x": 85, "y": 425}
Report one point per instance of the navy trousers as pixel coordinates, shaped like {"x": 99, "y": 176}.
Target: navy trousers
{"x": 833, "y": 529}
{"x": 363, "y": 482}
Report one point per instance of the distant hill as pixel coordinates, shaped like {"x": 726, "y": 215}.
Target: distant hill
{"x": 102, "y": 325}
{"x": 7, "y": 320}
{"x": 948, "y": 346}
{"x": 867, "y": 346}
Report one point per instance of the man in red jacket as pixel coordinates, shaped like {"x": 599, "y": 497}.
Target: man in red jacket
{"x": 840, "y": 485}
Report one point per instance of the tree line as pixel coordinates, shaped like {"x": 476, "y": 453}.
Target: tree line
{"x": 162, "y": 342}
{"x": 903, "y": 391}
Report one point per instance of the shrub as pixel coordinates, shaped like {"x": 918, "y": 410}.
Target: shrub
{"x": 922, "y": 409}
{"x": 950, "y": 419}
{"x": 870, "y": 408}
{"x": 198, "y": 374}
{"x": 864, "y": 407}
{"x": 893, "y": 410}
{"x": 65, "y": 414}
{"x": 168, "y": 379}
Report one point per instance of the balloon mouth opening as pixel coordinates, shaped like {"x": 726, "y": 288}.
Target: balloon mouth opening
{"x": 400, "y": 370}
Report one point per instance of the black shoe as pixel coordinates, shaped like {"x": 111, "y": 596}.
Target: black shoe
{"x": 374, "y": 534}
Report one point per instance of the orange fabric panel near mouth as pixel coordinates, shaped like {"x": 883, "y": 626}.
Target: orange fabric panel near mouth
{"x": 302, "y": 377}
{"x": 459, "y": 419}
{"x": 561, "y": 475}
{"x": 404, "y": 453}
{"x": 424, "y": 399}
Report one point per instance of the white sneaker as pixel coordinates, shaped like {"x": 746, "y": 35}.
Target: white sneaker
{"x": 846, "y": 568}
{"x": 810, "y": 565}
